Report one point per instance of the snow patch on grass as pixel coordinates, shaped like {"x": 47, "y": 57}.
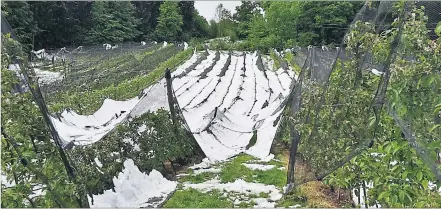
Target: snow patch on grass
{"x": 242, "y": 187}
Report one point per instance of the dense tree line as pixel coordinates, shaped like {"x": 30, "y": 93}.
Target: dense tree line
{"x": 259, "y": 25}
{"x": 60, "y": 24}
{"x": 263, "y": 25}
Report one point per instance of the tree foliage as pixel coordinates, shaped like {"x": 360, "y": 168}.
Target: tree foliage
{"x": 169, "y": 22}
{"x": 112, "y": 22}
{"x": 401, "y": 161}
{"x": 30, "y": 159}
{"x": 20, "y": 17}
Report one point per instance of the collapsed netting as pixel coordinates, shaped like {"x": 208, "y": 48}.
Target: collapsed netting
{"x": 335, "y": 112}
{"x": 92, "y": 69}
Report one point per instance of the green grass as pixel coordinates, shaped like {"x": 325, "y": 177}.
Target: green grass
{"x": 247, "y": 204}
{"x": 192, "y": 198}
{"x": 199, "y": 178}
{"x": 263, "y": 195}
{"x": 235, "y": 170}
{"x": 276, "y": 60}
{"x": 297, "y": 197}
{"x": 278, "y": 164}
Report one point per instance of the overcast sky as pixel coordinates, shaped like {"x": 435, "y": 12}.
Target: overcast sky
{"x": 207, "y": 8}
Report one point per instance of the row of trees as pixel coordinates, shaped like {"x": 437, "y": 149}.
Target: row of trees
{"x": 259, "y": 25}
{"x": 377, "y": 133}
{"x": 59, "y": 24}
{"x": 265, "y": 24}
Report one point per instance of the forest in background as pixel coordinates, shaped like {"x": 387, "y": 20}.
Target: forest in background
{"x": 258, "y": 24}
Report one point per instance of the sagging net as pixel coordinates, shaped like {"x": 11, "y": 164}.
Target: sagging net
{"x": 229, "y": 101}
{"x": 347, "y": 98}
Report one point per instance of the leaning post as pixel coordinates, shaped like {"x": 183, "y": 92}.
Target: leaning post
{"x": 170, "y": 94}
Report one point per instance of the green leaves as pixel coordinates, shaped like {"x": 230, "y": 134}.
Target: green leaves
{"x": 169, "y": 22}
{"x": 113, "y": 22}
{"x": 419, "y": 176}
{"x": 438, "y": 29}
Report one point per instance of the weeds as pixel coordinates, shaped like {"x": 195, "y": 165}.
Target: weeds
{"x": 199, "y": 178}
{"x": 235, "y": 170}
{"x": 193, "y": 198}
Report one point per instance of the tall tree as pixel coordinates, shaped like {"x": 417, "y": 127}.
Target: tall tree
{"x": 243, "y": 16}
{"x": 201, "y": 28}
{"x": 148, "y": 13}
{"x": 113, "y": 22}
{"x": 169, "y": 22}
{"x": 325, "y": 22}
{"x": 277, "y": 28}
{"x": 20, "y": 17}
{"x": 186, "y": 10}
{"x": 225, "y": 23}
{"x": 213, "y": 29}
{"x": 60, "y": 23}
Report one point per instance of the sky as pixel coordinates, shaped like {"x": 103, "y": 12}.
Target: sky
{"x": 207, "y": 8}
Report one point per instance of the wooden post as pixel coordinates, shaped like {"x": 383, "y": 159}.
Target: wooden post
{"x": 170, "y": 94}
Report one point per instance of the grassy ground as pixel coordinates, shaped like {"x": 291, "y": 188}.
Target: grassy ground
{"x": 193, "y": 198}
{"x": 314, "y": 194}
{"x": 229, "y": 172}
{"x": 235, "y": 170}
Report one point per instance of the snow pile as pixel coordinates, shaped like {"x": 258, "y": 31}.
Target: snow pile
{"x": 47, "y": 77}
{"x": 87, "y": 129}
{"x": 258, "y": 166}
{"x": 135, "y": 189}
{"x": 243, "y": 187}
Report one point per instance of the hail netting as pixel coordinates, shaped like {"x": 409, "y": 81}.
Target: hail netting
{"x": 93, "y": 69}
{"x": 341, "y": 93}
{"x": 224, "y": 99}
{"x": 335, "y": 115}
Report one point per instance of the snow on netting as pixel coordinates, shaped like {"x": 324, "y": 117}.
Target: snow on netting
{"x": 342, "y": 86}
{"x": 224, "y": 98}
